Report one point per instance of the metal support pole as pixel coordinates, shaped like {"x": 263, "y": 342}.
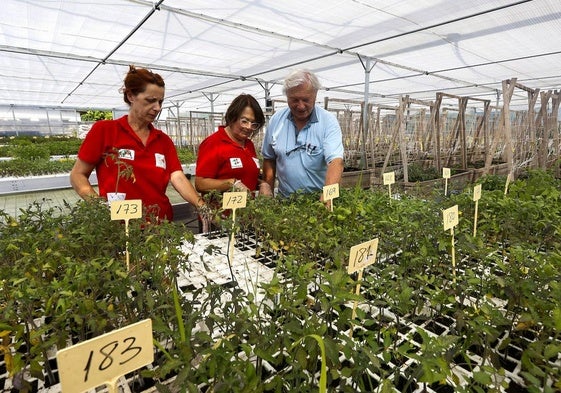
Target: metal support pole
{"x": 48, "y": 121}
{"x": 365, "y": 108}
{"x": 268, "y": 102}
{"x": 211, "y": 98}
{"x": 15, "y": 121}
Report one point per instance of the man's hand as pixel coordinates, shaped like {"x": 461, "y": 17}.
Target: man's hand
{"x": 327, "y": 203}
{"x": 265, "y": 189}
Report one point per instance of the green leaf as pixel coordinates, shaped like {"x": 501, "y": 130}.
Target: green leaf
{"x": 482, "y": 377}
{"x": 557, "y": 318}
{"x": 263, "y": 354}
{"x": 552, "y": 351}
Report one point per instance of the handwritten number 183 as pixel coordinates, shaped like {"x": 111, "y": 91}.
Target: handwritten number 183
{"x": 107, "y": 351}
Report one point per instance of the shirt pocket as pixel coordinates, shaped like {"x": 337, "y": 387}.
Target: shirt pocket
{"x": 313, "y": 158}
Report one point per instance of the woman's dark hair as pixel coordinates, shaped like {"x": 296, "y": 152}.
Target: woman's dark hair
{"x": 137, "y": 79}
{"x": 234, "y": 111}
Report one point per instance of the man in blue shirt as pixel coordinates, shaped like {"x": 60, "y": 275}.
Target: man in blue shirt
{"x": 303, "y": 144}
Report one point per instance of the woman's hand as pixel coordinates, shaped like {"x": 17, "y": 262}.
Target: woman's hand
{"x": 239, "y": 186}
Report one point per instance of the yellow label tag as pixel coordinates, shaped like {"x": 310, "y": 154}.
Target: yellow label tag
{"x": 127, "y": 209}
{"x": 451, "y": 217}
{"x": 331, "y": 192}
{"x": 234, "y": 200}
{"x": 446, "y": 173}
{"x": 103, "y": 359}
{"x": 362, "y": 255}
{"x": 389, "y": 178}
{"x": 477, "y": 192}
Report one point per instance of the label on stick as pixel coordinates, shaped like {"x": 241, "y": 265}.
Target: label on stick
{"x": 477, "y": 192}
{"x": 331, "y": 192}
{"x": 103, "y": 359}
{"x": 389, "y": 178}
{"x": 126, "y": 209}
{"x": 362, "y": 255}
{"x": 234, "y": 200}
{"x": 450, "y": 217}
{"x": 446, "y": 173}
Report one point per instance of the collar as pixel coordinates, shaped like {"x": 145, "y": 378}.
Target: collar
{"x": 225, "y": 138}
{"x": 313, "y": 116}
{"x": 124, "y": 122}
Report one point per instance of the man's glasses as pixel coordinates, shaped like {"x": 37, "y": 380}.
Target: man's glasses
{"x": 248, "y": 124}
{"x": 309, "y": 149}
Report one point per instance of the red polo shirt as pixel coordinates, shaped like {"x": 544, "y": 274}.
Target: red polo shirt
{"x": 219, "y": 157}
{"x": 152, "y": 164}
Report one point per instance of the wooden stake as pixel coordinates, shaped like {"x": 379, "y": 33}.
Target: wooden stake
{"x": 453, "y": 255}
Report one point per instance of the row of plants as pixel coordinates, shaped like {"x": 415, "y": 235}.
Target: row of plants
{"x": 514, "y": 262}
{"x": 33, "y": 156}
{"x": 33, "y": 147}
{"x": 420, "y": 325}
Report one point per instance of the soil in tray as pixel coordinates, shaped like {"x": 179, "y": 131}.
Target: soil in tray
{"x": 508, "y": 364}
{"x": 188, "y": 288}
{"x": 417, "y": 338}
{"x": 404, "y": 385}
{"x": 465, "y": 362}
{"x": 244, "y": 243}
{"x": 53, "y": 366}
{"x": 513, "y": 387}
{"x": 369, "y": 382}
{"x": 214, "y": 235}
{"x": 442, "y": 388}
{"x": 435, "y": 328}
{"x": 139, "y": 384}
{"x": 270, "y": 263}
{"x": 243, "y": 246}
{"x": 512, "y": 351}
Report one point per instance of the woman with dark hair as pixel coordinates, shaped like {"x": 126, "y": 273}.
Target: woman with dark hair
{"x": 132, "y": 159}
{"x": 227, "y": 159}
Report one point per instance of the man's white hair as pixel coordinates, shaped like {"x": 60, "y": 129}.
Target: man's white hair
{"x": 299, "y": 77}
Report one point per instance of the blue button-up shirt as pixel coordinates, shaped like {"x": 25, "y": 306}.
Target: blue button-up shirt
{"x": 302, "y": 156}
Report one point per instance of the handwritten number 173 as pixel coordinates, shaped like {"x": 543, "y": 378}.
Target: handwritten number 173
{"x": 127, "y": 208}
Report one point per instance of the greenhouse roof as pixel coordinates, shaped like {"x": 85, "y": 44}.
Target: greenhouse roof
{"x": 74, "y": 54}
